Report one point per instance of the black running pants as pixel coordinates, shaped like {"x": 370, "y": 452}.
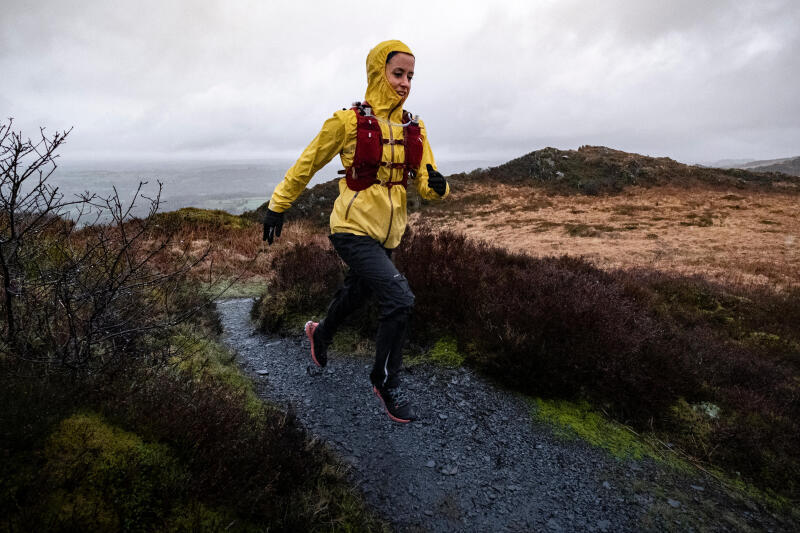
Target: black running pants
{"x": 371, "y": 272}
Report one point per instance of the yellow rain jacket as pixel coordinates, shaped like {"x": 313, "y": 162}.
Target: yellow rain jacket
{"x": 378, "y": 211}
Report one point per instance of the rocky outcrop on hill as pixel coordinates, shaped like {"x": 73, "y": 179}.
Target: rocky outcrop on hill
{"x": 597, "y": 169}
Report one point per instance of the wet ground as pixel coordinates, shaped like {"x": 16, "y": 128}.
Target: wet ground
{"x": 476, "y": 460}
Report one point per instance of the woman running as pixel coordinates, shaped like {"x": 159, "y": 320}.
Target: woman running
{"x": 383, "y": 149}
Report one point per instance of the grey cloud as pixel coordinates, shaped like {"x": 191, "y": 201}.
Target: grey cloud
{"x": 692, "y": 80}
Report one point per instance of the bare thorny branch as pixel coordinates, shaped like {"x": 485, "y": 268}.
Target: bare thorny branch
{"x": 81, "y": 299}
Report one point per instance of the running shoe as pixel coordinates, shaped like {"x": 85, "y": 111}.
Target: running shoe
{"x": 319, "y": 352}
{"x": 396, "y": 403}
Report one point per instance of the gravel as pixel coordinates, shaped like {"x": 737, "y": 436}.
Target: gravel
{"x": 474, "y": 461}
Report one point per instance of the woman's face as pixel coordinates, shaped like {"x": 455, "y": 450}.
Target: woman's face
{"x": 399, "y": 71}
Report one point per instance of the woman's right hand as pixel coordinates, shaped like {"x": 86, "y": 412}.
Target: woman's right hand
{"x": 273, "y": 224}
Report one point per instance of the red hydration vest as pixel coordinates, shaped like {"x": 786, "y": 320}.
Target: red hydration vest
{"x": 363, "y": 172}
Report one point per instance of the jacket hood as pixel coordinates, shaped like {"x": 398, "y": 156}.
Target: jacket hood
{"x": 380, "y": 94}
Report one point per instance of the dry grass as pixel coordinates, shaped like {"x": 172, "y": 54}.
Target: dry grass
{"x": 741, "y": 237}
{"x": 232, "y": 252}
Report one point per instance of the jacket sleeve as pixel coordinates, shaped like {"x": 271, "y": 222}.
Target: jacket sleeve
{"x": 422, "y": 175}
{"x": 328, "y": 142}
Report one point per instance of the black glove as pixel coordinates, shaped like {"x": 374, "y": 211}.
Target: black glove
{"x": 273, "y": 224}
{"x": 436, "y": 181}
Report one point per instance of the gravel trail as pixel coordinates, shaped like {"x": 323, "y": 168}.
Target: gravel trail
{"x": 475, "y": 461}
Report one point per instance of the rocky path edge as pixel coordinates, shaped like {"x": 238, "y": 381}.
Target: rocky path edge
{"x": 476, "y": 460}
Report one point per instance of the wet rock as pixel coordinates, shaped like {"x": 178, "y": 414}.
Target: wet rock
{"x": 553, "y": 525}
{"x": 449, "y": 470}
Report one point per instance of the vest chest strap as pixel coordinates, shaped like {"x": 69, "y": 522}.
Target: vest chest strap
{"x": 368, "y": 155}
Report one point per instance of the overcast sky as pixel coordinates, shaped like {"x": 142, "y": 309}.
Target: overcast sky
{"x": 693, "y": 80}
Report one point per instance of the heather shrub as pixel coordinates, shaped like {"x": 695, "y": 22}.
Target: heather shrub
{"x": 119, "y": 410}
{"x": 306, "y": 276}
{"x": 253, "y": 463}
{"x": 756, "y": 317}
{"x": 641, "y": 345}
{"x": 649, "y": 348}
{"x": 553, "y": 326}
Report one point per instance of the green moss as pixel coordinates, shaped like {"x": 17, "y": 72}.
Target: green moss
{"x": 351, "y": 342}
{"x": 230, "y": 288}
{"x": 445, "y": 352}
{"x": 98, "y": 477}
{"x": 579, "y": 420}
{"x": 102, "y": 478}
{"x": 204, "y": 358}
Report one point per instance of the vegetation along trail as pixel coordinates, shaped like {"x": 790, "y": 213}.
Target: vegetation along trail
{"x": 476, "y": 460}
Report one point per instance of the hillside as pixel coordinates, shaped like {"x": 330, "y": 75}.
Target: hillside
{"x": 597, "y": 169}
{"x": 589, "y": 170}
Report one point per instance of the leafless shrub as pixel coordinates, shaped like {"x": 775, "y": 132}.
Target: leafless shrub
{"x": 79, "y": 288}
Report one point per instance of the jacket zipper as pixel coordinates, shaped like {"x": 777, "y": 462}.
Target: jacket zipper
{"x": 391, "y": 215}
{"x": 353, "y": 199}
{"x": 391, "y": 174}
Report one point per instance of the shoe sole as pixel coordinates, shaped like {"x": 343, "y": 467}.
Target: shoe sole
{"x": 401, "y": 420}
{"x": 309, "y": 329}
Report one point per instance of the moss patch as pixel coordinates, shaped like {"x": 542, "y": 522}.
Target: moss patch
{"x": 104, "y": 478}
{"x": 201, "y": 358}
{"x": 445, "y": 353}
{"x": 350, "y": 341}
{"x": 578, "y": 420}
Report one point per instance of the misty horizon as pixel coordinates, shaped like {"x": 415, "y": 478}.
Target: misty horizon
{"x": 693, "y": 81}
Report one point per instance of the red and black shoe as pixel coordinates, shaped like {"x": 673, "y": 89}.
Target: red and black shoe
{"x": 319, "y": 352}
{"x": 396, "y": 403}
